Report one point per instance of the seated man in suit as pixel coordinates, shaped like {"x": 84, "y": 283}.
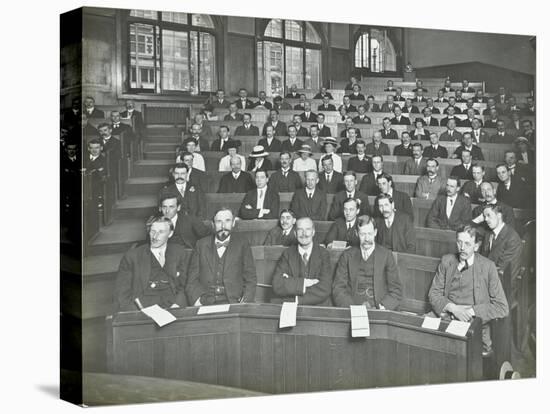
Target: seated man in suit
{"x": 450, "y": 211}
{"x": 528, "y": 131}
{"x": 478, "y": 134}
{"x": 280, "y": 105}
{"x": 109, "y": 143}
{"x": 362, "y": 117}
{"x": 322, "y": 93}
{"x": 468, "y": 145}
{"x": 261, "y": 202}
{"x": 360, "y": 163}
{"x": 419, "y": 87}
{"x": 389, "y": 105}
{"x": 222, "y": 267}
{"x": 284, "y": 180}
{"x": 206, "y": 131}
{"x": 511, "y": 106}
{"x": 135, "y": 117}
{"x": 491, "y": 104}
{"x": 324, "y": 131}
{"x": 190, "y": 197}
{"x": 464, "y": 170}
{"x": 409, "y": 108}
{"x": 472, "y": 188}
{"x": 466, "y": 88}
{"x": 344, "y": 228}
{"x": 90, "y": 110}
{"x": 513, "y": 191}
{"x": 451, "y": 134}
{"x": 350, "y": 191}
{"x": 119, "y": 128}
{"x": 467, "y": 285}
{"x": 518, "y": 171}
{"x": 270, "y": 142}
{"x": 492, "y": 119}
{"x": 195, "y": 177}
{"x": 430, "y": 105}
{"x": 401, "y": 201}
{"x": 258, "y": 160}
{"x": 293, "y": 92}
{"x": 233, "y": 114}
{"x": 489, "y": 198}
{"x": 330, "y": 180}
{"x": 367, "y": 275}
{"x": 231, "y": 149}
{"x": 196, "y": 132}
{"x": 447, "y": 86}
{"x": 223, "y": 140}
{"x": 450, "y": 112}
{"x": 347, "y": 105}
{"x": 237, "y": 180}
{"x": 190, "y": 148}
{"x": 419, "y": 96}
{"x": 525, "y": 153}
{"x": 515, "y": 122}
{"x": 420, "y": 133}
{"x": 389, "y": 86}
{"x": 370, "y": 106}
{"x": 153, "y": 273}
{"x": 441, "y": 97}
{"x": 95, "y": 165}
{"x": 470, "y": 116}
{"x": 479, "y": 98}
{"x": 315, "y": 142}
{"x": 502, "y": 135}
{"x": 434, "y": 150}
{"x": 243, "y": 102}
{"x": 307, "y": 115}
{"x": 219, "y": 102}
{"x": 398, "y": 118}
{"x": 470, "y": 105}
{"x": 458, "y": 97}
{"x": 368, "y": 182}
{"x": 310, "y": 201}
{"x": 301, "y": 103}
{"x": 329, "y": 148}
{"x": 187, "y": 228}
{"x": 356, "y": 94}
{"x": 395, "y": 229}
{"x": 292, "y": 144}
{"x": 432, "y": 184}
{"x": 305, "y": 162}
{"x": 284, "y": 233}
{"x": 262, "y": 101}
{"x": 529, "y": 107}
{"x": 398, "y": 97}
{"x": 428, "y": 119}
{"x": 451, "y": 107}
{"x": 348, "y": 144}
{"x": 279, "y": 127}
{"x": 405, "y": 148}
{"x": 247, "y": 129}
{"x": 300, "y": 130}
{"x": 326, "y": 105}
{"x": 387, "y": 132}
{"x": 415, "y": 165}
{"x": 302, "y": 273}
{"x": 377, "y": 147}
{"x": 348, "y": 123}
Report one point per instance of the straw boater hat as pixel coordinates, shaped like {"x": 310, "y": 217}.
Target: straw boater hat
{"x": 330, "y": 140}
{"x": 305, "y": 148}
{"x": 521, "y": 139}
{"x": 258, "y": 152}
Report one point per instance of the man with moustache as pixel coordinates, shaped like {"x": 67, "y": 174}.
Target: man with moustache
{"x": 345, "y": 228}
{"x": 431, "y": 184}
{"x": 488, "y": 198}
{"x": 350, "y": 191}
{"x": 395, "y": 229}
{"x": 222, "y": 267}
{"x": 191, "y": 198}
{"x": 284, "y": 233}
{"x": 449, "y": 211}
{"x": 284, "y": 180}
{"x": 310, "y": 201}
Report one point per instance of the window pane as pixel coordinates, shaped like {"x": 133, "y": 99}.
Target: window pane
{"x": 274, "y": 28}
{"x": 270, "y": 68}
{"x": 375, "y": 55}
{"x": 313, "y": 69}
{"x": 144, "y": 14}
{"x": 174, "y": 17}
{"x": 294, "y": 66}
{"x": 175, "y": 69}
{"x": 194, "y": 75}
{"x": 311, "y": 34}
{"x": 207, "y": 62}
{"x": 293, "y": 30}
{"x": 202, "y": 20}
{"x": 142, "y": 56}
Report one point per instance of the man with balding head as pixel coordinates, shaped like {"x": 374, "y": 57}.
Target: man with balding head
{"x": 489, "y": 198}
{"x": 237, "y": 180}
{"x": 450, "y": 211}
{"x": 377, "y": 147}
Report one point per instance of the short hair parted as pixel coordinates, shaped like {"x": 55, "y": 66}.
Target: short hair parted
{"x": 351, "y": 200}
{"x": 180, "y": 165}
{"x": 360, "y": 141}
{"x": 455, "y": 178}
{"x": 365, "y": 220}
{"x": 497, "y": 208}
{"x": 287, "y": 210}
{"x": 285, "y": 152}
{"x": 349, "y": 172}
{"x": 158, "y": 218}
{"x": 104, "y": 124}
{"x": 471, "y": 230}
{"x": 417, "y": 144}
{"x": 222, "y": 208}
{"x": 95, "y": 141}
{"x": 261, "y": 171}
{"x": 387, "y": 176}
{"x": 168, "y": 195}
{"x": 384, "y": 196}
{"x": 434, "y": 160}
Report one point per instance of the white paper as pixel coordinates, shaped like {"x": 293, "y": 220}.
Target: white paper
{"x": 204, "y": 310}
{"x": 288, "y": 314}
{"x": 160, "y": 316}
{"x": 431, "y": 323}
{"x": 339, "y": 244}
{"x": 360, "y": 326}
{"x": 458, "y": 328}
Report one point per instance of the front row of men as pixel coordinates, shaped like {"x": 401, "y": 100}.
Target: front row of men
{"x": 221, "y": 269}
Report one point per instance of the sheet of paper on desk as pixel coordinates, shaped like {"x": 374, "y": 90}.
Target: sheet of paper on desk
{"x": 458, "y": 328}
{"x": 204, "y": 310}
{"x": 160, "y": 316}
{"x": 431, "y": 323}
{"x": 360, "y": 326}
{"x": 339, "y": 244}
{"x": 288, "y": 314}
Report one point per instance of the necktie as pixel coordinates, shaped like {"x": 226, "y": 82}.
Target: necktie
{"x": 285, "y": 173}
{"x": 261, "y": 194}
{"x": 491, "y": 239}
{"x": 160, "y": 258}
{"x": 310, "y": 196}
{"x": 328, "y": 178}
{"x": 464, "y": 267}
{"x": 349, "y": 226}
{"x": 304, "y": 258}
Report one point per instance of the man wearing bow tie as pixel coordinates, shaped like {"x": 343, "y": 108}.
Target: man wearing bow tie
{"x": 222, "y": 267}
{"x": 467, "y": 285}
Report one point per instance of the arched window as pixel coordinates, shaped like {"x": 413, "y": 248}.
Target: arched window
{"x": 289, "y": 53}
{"x": 374, "y": 51}
{"x": 171, "y": 52}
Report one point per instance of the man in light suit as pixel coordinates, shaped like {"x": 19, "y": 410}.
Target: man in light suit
{"x": 415, "y": 165}
{"x": 303, "y": 272}
{"x": 432, "y": 184}
{"x": 247, "y": 129}
{"x": 154, "y": 273}
{"x": 309, "y": 201}
{"x": 262, "y": 202}
{"x": 367, "y": 275}
{"x": 222, "y": 267}
{"x": 450, "y": 211}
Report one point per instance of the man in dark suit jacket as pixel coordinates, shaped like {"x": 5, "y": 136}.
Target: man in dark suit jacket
{"x": 300, "y": 130}
{"x": 399, "y": 119}
{"x": 467, "y": 145}
{"x": 368, "y": 184}
{"x": 416, "y": 165}
{"x": 388, "y": 132}
{"x": 401, "y": 201}
{"x": 119, "y": 128}
{"x": 326, "y": 105}
{"x": 285, "y": 180}
{"x": 191, "y": 198}
{"x": 513, "y": 191}
{"x": 324, "y": 131}
{"x": 488, "y": 198}
{"x": 284, "y": 233}
{"x": 409, "y": 108}
{"x": 322, "y": 93}
{"x": 236, "y": 181}
{"x": 95, "y": 165}
{"x": 367, "y": 275}
{"x": 136, "y": 118}
{"x": 243, "y": 102}
{"x": 303, "y": 272}
{"x": 463, "y": 171}
{"x": 389, "y": 105}
{"x": 356, "y": 95}
{"x": 430, "y": 105}
{"x": 292, "y": 144}
{"x": 502, "y": 136}
{"x": 293, "y": 93}
{"x": 233, "y": 114}
{"x": 262, "y": 101}
{"x": 472, "y": 188}
{"x": 377, "y": 147}
{"x": 350, "y": 191}
{"x": 187, "y": 228}
{"x": 398, "y": 97}
{"x": 450, "y": 211}
{"x": 347, "y": 104}
{"x": 435, "y": 150}
{"x": 219, "y": 102}
{"x": 270, "y": 142}
{"x": 262, "y": 202}
{"x": 307, "y": 115}
{"x": 154, "y": 273}
{"x": 221, "y": 143}
{"x": 279, "y": 127}
{"x": 344, "y": 228}
{"x": 362, "y": 118}
{"x": 370, "y": 106}
{"x": 110, "y": 144}
{"x": 310, "y": 201}
{"x": 360, "y": 163}
{"x": 330, "y": 181}
{"x": 90, "y": 110}
{"x": 395, "y": 228}
{"x": 222, "y": 267}
{"x": 247, "y": 129}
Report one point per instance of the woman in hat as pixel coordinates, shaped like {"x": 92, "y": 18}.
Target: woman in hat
{"x": 329, "y": 147}
{"x": 258, "y": 159}
{"x": 304, "y": 162}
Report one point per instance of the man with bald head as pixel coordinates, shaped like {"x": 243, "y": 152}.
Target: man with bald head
{"x": 377, "y": 147}
{"x": 237, "y": 180}
{"x": 303, "y": 272}
{"x": 489, "y": 198}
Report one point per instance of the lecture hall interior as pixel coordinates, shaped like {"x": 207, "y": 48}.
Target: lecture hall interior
{"x": 147, "y": 92}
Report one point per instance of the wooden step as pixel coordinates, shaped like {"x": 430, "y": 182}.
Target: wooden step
{"x": 159, "y": 155}
{"x": 136, "y": 207}
{"x": 152, "y": 168}
{"x": 169, "y": 130}
{"x": 144, "y": 185}
{"x": 160, "y": 146}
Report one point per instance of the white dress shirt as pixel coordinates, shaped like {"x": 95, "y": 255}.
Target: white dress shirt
{"x": 300, "y": 165}
{"x": 451, "y": 201}
{"x": 159, "y": 253}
